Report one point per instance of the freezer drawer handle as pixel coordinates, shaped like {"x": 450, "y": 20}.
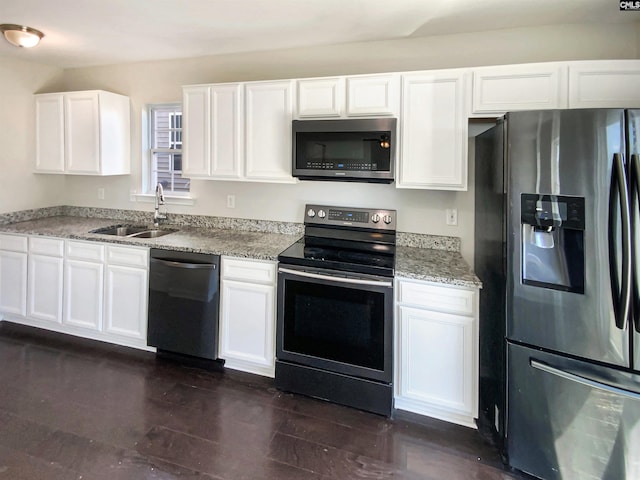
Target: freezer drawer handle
{"x": 621, "y": 294}
{"x": 583, "y": 380}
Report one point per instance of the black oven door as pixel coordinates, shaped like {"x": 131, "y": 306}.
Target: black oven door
{"x": 334, "y": 321}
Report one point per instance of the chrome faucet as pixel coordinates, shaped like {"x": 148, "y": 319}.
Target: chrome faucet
{"x": 157, "y": 216}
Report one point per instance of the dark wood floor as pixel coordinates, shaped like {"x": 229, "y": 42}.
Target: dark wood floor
{"x": 72, "y": 408}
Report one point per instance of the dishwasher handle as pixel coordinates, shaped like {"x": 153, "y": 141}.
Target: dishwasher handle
{"x": 179, "y": 264}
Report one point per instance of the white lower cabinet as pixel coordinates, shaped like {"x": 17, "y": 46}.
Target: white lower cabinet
{"x": 78, "y": 287}
{"x": 247, "y": 315}
{"x": 437, "y": 351}
{"x": 13, "y": 274}
{"x": 127, "y": 292}
{"x": 45, "y": 279}
{"x": 84, "y": 285}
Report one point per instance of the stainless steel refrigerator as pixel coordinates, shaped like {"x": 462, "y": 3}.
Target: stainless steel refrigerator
{"x": 558, "y": 250}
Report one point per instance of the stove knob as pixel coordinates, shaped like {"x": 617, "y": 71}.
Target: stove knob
{"x": 375, "y": 218}
{"x": 321, "y": 214}
{"x": 311, "y": 213}
{"x": 387, "y": 219}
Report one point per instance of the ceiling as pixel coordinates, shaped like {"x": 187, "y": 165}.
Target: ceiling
{"x": 102, "y": 32}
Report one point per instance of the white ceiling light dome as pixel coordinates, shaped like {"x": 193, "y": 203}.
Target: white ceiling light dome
{"x": 20, "y": 35}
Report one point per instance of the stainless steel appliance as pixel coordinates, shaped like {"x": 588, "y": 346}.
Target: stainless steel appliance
{"x": 183, "y": 304}
{"x": 334, "y": 336}
{"x": 558, "y": 251}
{"x": 357, "y": 150}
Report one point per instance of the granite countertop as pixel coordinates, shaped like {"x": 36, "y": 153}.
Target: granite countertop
{"x": 441, "y": 266}
{"x": 237, "y": 243}
{"x": 430, "y": 264}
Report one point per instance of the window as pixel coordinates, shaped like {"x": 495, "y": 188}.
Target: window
{"x": 166, "y": 149}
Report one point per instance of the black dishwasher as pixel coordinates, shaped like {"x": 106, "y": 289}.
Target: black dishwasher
{"x": 183, "y": 303}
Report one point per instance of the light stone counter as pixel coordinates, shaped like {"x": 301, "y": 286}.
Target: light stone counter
{"x": 423, "y": 257}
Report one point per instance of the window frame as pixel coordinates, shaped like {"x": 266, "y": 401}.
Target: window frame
{"x": 150, "y": 173}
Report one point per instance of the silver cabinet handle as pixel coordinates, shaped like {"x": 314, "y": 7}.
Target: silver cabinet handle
{"x": 319, "y": 276}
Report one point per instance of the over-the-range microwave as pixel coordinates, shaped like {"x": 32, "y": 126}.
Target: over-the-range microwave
{"x": 357, "y": 150}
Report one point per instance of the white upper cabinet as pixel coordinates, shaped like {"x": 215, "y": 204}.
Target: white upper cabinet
{"x": 196, "y": 106}
{"x": 238, "y": 131}
{"x": 373, "y": 95}
{"x": 353, "y": 96}
{"x": 433, "y": 145}
{"x": 83, "y": 133}
{"x": 604, "y": 84}
{"x": 320, "y": 97}
{"x": 268, "y": 116}
{"x": 50, "y": 133}
{"x": 507, "y": 88}
{"x": 213, "y": 131}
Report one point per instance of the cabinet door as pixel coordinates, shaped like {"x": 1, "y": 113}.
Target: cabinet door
{"x": 436, "y": 363}
{"x": 226, "y": 131}
{"x": 247, "y": 333}
{"x": 268, "y": 107}
{"x": 519, "y": 87}
{"x": 44, "y": 300}
{"x": 13, "y": 283}
{"x": 82, "y": 133}
{"x": 372, "y": 95}
{"x": 604, "y": 84}
{"x": 83, "y": 294}
{"x": 320, "y": 97}
{"x": 126, "y": 296}
{"x": 434, "y": 131}
{"x": 50, "y": 133}
{"x": 195, "y": 131}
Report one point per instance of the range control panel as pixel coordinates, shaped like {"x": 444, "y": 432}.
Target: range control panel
{"x": 370, "y": 218}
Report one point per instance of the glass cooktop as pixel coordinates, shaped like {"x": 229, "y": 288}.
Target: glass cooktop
{"x": 360, "y": 258}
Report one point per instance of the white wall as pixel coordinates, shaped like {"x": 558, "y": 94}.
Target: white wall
{"x": 419, "y": 211}
{"x": 20, "y": 189}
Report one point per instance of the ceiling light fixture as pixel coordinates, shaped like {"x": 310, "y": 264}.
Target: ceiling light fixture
{"x": 21, "y": 36}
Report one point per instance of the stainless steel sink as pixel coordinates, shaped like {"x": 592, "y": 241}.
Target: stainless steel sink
{"x": 153, "y": 233}
{"x": 134, "y": 231}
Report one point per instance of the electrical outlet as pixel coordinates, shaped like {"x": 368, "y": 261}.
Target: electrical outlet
{"x": 101, "y": 193}
{"x": 452, "y": 216}
{"x": 231, "y": 201}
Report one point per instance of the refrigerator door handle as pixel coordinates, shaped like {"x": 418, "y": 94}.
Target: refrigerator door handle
{"x": 621, "y": 296}
{"x": 635, "y": 196}
{"x": 583, "y": 379}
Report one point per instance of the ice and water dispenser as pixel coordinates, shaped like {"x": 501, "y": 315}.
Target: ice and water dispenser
{"x": 553, "y": 241}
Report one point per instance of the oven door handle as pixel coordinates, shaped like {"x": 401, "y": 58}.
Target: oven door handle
{"x": 318, "y": 276}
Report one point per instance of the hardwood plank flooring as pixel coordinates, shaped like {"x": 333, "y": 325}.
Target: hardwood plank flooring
{"x": 77, "y": 409}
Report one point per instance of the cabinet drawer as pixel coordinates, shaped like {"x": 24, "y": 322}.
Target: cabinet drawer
{"x": 15, "y": 243}
{"x": 128, "y": 256}
{"x": 85, "y": 251}
{"x": 440, "y": 298}
{"x": 254, "y": 271}
{"x": 53, "y": 247}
